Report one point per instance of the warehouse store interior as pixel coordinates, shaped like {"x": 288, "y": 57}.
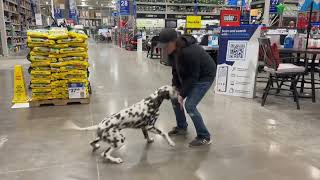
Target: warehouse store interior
{"x": 94, "y": 90}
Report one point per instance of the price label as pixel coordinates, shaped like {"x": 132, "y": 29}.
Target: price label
{"x": 77, "y": 92}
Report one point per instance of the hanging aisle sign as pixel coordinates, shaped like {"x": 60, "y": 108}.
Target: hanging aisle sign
{"x": 237, "y": 61}
{"x": 273, "y": 6}
{"x": 124, "y": 9}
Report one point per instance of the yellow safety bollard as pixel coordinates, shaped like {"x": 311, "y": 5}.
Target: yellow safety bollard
{"x": 20, "y": 92}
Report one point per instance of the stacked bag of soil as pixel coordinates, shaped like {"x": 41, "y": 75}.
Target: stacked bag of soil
{"x": 59, "y": 60}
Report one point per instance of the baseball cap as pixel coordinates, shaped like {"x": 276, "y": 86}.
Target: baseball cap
{"x": 166, "y": 35}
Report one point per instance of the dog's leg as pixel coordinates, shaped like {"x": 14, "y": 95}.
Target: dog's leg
{"x": 146, "y": 135}
{"x": 95, "y": 144}
{"x": 164, "y": 135}
{"x": 107, "y": 155}
{"x": 116, "y": 140}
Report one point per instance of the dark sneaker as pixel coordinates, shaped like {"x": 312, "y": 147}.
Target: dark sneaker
{"x": 200, "y": 142}
{"x": 177, "y": 132}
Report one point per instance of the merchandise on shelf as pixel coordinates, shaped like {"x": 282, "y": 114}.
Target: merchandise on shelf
{"x": 59, "y": 60}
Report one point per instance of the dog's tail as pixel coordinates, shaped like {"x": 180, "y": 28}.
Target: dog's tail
{"x": 72, "y": 126}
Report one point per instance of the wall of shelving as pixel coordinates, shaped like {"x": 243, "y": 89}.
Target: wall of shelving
{"x": 16, "y": 17}
{"x": 94, "y": 17}
{"x": 179, "y": 9}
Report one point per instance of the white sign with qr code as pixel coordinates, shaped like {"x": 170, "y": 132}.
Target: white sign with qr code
{"x": 77, "y": 92}
{"x": 237, "y": 50}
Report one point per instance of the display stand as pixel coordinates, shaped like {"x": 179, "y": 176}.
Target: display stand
{"x": 237, "y": 61}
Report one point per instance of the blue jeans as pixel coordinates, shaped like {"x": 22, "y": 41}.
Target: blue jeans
{"x": 193, "y": 99}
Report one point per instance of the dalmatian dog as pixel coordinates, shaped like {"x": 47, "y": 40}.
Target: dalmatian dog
{"x": 142, "y": 115}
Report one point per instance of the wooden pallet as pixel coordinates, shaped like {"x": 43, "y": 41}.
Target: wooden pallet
{"x": 58, "y": 102}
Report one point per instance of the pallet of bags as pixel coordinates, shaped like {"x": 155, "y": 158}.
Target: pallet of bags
{"x": 59, "y": 62}
{"x": 40, "y": 70}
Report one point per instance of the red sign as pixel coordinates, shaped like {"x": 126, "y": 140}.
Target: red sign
{"x": 230, "y": 18}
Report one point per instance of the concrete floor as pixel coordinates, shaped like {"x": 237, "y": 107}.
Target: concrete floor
{"x": 275, "y": 142}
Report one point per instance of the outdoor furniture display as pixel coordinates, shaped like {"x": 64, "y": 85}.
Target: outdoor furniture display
{"x": 279, "y": 73}
{"x": 311, "y": 66}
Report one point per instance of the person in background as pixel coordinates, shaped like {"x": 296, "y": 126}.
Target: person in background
{"x": 193, "y": 72}
{"x": 292, "y": 24}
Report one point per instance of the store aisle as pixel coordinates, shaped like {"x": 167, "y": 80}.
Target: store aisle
{"x": 250, "y": 142}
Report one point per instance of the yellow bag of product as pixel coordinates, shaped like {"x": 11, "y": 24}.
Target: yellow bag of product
{"x": 78, "y": 81}
{"x": 54, "y": 51}
{"x": 38, "y": 33}
{"x": 32, "y": 45}
{"x": 57, "y": 65}
{"x": 44, "y": 68}
{"x": 39, "y": 58}
{"x": 80, "y": 54}
{"x": 35, "y": 72}
{"x": 84, "y": 45}
{"x": 68, "y": 41}
{"x": 40, "y": 90}
{"x": 77, "y": 72}
{"x": 55, "y": 70}
{"x": 60, "y": 96}
{"x": 41, "y": 64}
{"x": 40, "y": 81}
{"x": 72, "y": 50}
{"x": 59, "y": 46}
{"x": 59, "y": 83}
{"x": 58, "y": 33}
{"x": 71, "y": 59}
{"x": 40, "y": 76}
{"x": 60, "y": 90}
{"x": 40, "y": 42}
{"x": 57, "y": 76}
{"x": 77, "y": 63}
{"x": 54, "y": 60}
{"x": 75, "y": 76}
{"x": 41, "y": 49}
{"x": 33, "y": 53}
{"x": 41, "y": 95}
{"x": 77, "y": 34}
{"x": 40, "y": 86}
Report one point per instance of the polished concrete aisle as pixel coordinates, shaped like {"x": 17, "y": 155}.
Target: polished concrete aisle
{"x": 275, "y": 142}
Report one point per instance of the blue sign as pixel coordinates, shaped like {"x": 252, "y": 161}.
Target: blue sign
{"x": 273, "y": 6}
{"x": 124, "y": 8}
{"x": 57, "y": 13}
{"x": 237, "y": 61}
{"x": 115, "y": 14}
{"x": 232, "y": 2}
{"x": 240, "y": 34}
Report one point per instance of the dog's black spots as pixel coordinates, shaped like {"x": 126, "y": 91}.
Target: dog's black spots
{"x": 117, "y": 116}
{"x": 126, "y": 111}
{"x": 122, "y": 140}
{"x": 122, "y": 118}
{"x": 130, "y": 109}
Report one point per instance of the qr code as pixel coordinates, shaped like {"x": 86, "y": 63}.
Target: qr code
{"x": 236, "y": 50}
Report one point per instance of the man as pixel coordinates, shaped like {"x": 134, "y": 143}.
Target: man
{"x": 193, "y": 72}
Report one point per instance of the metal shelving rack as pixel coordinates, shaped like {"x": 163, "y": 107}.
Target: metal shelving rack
{"x": 16, "y": 17}
{"x": 194, "y": 8}
{"x": 291, "y": 15}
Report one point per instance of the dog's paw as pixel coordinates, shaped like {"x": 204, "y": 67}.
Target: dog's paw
{"x": 118, "y": 160}
{"x": 171, "y": 143}
{"x": 150, "y": 140}
{"x": 95, "y": 147}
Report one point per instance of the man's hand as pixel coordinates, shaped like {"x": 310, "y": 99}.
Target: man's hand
{"x": 180, "y": 100}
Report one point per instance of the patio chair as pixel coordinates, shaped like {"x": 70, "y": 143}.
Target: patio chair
{"x": 279, "y": 73}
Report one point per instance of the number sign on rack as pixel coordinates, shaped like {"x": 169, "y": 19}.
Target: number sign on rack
{"x": 124, "y": 8}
